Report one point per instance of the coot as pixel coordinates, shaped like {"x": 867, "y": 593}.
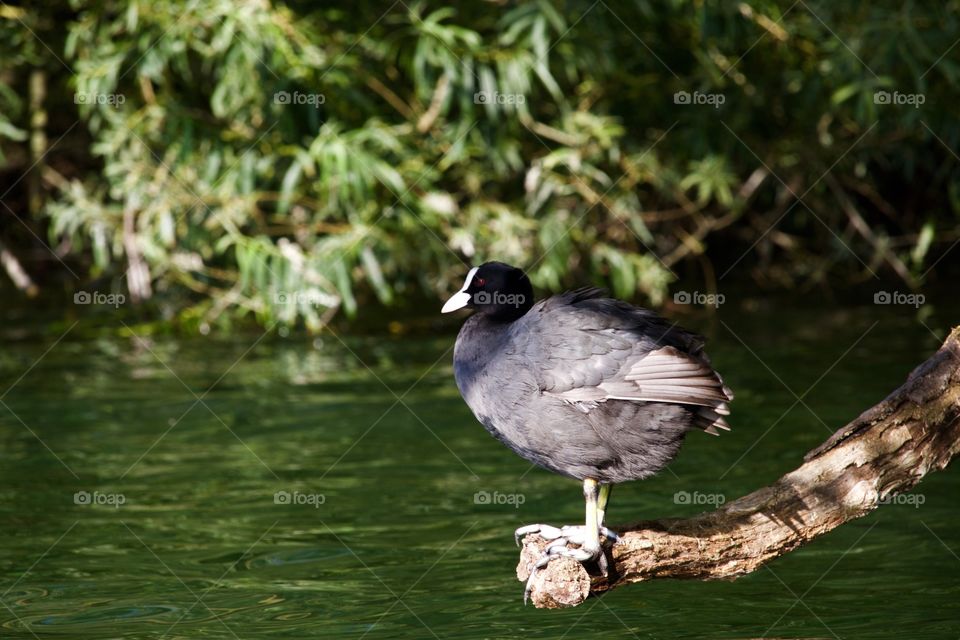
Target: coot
{"x": 583, "y": 385}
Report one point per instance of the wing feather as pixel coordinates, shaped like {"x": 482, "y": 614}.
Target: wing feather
{"x": 620, "y": 352}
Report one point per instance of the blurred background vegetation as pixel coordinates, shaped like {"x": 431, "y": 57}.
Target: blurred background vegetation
{"x": 216, "y": 161}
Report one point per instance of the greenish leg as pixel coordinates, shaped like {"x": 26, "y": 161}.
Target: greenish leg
{"x": 595, "y": 497}
{"x": 591, "y": 495}
{"x": 602, "y": 499}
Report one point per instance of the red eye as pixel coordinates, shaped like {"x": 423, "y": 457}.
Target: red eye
{"x": 480, "y": 282}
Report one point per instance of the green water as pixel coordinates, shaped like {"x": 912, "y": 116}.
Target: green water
{"x": 382, "y": 536}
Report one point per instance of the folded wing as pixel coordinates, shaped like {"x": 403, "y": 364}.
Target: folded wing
{"x": 624, "y": 353}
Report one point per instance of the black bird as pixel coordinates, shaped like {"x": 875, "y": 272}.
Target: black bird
{"x": 586, "y": 386}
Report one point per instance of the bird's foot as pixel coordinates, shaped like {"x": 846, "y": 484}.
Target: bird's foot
{"x": 574, "y": 534}
{"x": 559, "y": 538}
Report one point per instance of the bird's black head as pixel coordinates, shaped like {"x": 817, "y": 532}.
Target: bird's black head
{"x": 495, "y": 289}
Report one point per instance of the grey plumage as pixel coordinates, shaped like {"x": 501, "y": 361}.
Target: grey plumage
{"x": 588, "y": 386}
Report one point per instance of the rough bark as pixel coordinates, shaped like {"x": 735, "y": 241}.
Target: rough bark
{"x": 883, "y": 452}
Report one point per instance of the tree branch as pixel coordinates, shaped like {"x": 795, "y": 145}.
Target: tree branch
{"x": 883, "y": 452}
{"x": 21, "y": 279}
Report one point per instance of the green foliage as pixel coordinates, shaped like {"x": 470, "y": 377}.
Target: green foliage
{"x": 282, "y": 160}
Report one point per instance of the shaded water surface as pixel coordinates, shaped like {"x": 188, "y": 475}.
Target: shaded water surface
{"x": 300, "y": 488}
